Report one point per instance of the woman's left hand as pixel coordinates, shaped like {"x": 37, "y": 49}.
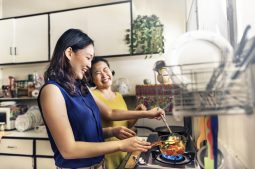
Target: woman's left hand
{"x": 141, "y": 107}
{"x": 122, "y": 132}
{"x": 156, "y": 113}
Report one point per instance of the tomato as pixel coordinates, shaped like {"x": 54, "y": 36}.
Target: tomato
{"x": 169, "y": 152}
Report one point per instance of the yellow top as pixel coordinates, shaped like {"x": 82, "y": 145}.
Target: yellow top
{"x": 113, "y": 160}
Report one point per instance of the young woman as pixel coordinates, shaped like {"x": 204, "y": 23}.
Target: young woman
{"x": 71, "y": 114}
{"x": 102, "y": 78}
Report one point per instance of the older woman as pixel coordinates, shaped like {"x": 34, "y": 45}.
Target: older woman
{"x": 102, "y": 77}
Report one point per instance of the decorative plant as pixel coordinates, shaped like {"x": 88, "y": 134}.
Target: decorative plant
{"x": 147, "y": 36}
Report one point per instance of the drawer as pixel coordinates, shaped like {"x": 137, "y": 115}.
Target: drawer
{"x": 16, "y": 146}
{"x": 45, "y": 163}
{"x": 16, "y": 162}
{"x": 43, "y": 148}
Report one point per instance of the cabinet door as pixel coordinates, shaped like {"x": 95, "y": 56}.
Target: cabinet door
{"x": 43, "y": 163}
{"x": 43, "y": 148}
{"x": 106, "y": 25}
{"x": 15, "y": 162}
{"x": 31, "y": 39}
{"x": 60, "y": 22}
{"x": 6, "y": 41}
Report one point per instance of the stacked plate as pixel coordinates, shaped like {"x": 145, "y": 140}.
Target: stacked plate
{"x": 31, "y": 119}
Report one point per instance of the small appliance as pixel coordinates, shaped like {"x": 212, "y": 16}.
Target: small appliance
{"x": 6, "y": 118}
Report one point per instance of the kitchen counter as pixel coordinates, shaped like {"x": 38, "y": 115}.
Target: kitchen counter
{"x": 30, "y": 150}
{"x": 30, "y": 134}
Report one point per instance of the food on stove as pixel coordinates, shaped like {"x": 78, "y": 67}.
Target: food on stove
{"x": 174, "y": 145}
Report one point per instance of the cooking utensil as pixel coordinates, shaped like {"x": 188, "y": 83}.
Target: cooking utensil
{"x": 202, "y": 135}
{"x": 162, "y": 130}
{"x": 164, "y": 120}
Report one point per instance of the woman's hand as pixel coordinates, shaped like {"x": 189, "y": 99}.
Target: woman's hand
{"x": 156, "y": 113}
{"x": 134, "y": 144}
{"x": 122, "y": 132}
{"x": 140, "y": 107}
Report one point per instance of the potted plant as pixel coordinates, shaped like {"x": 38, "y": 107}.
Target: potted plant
{"x": 147, "y": 36}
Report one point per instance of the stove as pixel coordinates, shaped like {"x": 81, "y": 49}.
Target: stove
{"x": 153, "y": 159}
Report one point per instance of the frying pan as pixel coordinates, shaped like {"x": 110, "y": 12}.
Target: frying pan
{"x": 171, "y": 147}
{"x": 162, "y": 130}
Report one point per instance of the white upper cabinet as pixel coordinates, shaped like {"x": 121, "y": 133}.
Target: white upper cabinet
{"x": 6, "y": 41}
{"x": 24, "y": 39}
{"x": 31, "y": 39}
{"x": 106, "y": 25}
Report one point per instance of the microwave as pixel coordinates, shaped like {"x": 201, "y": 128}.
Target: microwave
{"x": 6, "y": 118}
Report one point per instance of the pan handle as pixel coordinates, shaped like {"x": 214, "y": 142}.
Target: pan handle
{"x": 145, "y": 127}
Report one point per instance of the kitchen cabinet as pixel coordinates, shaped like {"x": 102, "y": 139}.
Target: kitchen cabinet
{"x": 29, "y": 150}
{"x": 43, "y": 163}
{"x": 25, "y": 39}
{"x": 106, "y": 25}
{"x": 43, "y": 149}
{"x": 6, "y": 40}
{"x": 31, "y": 39}
{"x": 15, "y": 162}
{"x": 15, "y": 146}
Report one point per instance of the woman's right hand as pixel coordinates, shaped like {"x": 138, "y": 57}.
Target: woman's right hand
{"x": 134, "y": 144}
{"x": 156, "y": 113}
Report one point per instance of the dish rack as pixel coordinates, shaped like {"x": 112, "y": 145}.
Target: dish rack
{"x": 209, "y": 89}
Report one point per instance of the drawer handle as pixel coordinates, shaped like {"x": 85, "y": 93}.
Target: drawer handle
{"x": 12, "y": 147}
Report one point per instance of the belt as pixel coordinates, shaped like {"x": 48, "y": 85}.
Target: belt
{"x": 96, "y": 166}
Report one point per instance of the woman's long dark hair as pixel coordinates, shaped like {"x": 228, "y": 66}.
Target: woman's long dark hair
{"x": 60, "y": 69}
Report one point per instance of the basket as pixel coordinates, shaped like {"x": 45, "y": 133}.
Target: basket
{"x": 207, "y": 89}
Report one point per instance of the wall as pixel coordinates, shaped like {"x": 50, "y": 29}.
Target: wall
{"x": 1, "y": 8}
{"x": 135, "y": 68}
{"x": 237, "y": 132}
{"x": 192, "y": 15}
{"x": 217, "y": 23}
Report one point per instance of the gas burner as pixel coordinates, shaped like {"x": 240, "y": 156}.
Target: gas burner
{"x": 173, "y": 160}
{"x": 154, "y": 159}
{"x": 177, "y": 158}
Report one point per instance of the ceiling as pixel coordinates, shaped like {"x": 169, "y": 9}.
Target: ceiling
{"x": 12, "y": 8}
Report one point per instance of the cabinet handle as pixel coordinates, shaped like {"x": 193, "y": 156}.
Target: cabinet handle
{"x": 15, "y": 51}
{"x": 10, "y": 50}
{"x": 12, "y": 147}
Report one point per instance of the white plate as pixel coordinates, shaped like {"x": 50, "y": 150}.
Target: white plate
{"x": 199, "y": 47}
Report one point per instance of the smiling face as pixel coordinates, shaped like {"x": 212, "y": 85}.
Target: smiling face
{"x": 80, "y": 60}
{"x": 102, "y": 75}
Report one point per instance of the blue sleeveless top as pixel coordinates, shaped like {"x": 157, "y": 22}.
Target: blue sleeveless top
{"x": 85, "y": 120}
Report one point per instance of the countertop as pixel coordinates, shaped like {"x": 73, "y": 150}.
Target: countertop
{"x": 36, "y": 134}
{"x": 32, "y": 134}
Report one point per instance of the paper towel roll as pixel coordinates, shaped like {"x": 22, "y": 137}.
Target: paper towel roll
{"x": 35, "y": 93}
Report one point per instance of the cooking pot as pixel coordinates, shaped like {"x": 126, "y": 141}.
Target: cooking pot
{"x": 202, "y": 153}
{"x": 162, "y": 130}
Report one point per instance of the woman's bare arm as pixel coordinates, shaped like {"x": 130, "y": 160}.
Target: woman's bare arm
{"x": 115, "y": 114}
{"x": 55, "y": 115}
